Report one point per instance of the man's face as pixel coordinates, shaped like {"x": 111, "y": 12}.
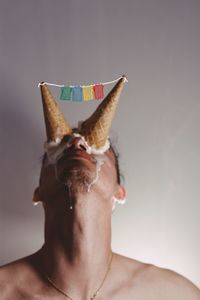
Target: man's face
{"x": 80, "y": 172}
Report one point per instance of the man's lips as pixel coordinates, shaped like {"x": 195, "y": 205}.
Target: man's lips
{"x": 79, "y": 154}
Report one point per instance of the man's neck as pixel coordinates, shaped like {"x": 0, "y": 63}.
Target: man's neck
{"x": 77, "y": 249}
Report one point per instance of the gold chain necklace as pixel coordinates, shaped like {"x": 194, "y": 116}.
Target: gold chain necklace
{"x": 94, "y": 295}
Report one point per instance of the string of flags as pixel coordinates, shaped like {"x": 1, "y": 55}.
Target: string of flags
{"x": 82, "y": 93}
{"x": 79, "y": 93}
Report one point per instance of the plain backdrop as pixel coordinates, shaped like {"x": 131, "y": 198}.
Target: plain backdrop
{"x": 156, "y": 43}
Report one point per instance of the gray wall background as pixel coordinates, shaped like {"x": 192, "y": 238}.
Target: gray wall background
{"x": 156, "y": 128}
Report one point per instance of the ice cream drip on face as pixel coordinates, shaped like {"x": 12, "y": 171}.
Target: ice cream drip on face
{"x": 55, "y": 151}
{"x": 99, "y": 162}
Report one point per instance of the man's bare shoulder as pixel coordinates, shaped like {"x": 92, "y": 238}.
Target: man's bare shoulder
{"x": 10, "y": 276}
{"x": 13, "y": 277}
{"x": 152, "y": 282}
{"x": 10, "y": 270}
{"x": 174, "y": 285}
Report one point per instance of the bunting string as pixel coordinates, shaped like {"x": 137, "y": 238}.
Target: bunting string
{"x": 79, "y": 93}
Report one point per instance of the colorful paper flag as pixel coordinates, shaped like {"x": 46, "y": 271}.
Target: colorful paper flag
{"x": 88, "y": 93}
{"x": 66, "y": 93}
{"x": 98, "y": 91}
{"x": 77, "y": 93}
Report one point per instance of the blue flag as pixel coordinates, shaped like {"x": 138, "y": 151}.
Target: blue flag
{"x": 77, "y": 93}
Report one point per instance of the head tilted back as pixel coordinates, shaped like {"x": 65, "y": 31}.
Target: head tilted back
{"x": 95, "y": 129}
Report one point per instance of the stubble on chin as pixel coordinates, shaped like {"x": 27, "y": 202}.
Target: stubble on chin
{"x": 77, "y": 180}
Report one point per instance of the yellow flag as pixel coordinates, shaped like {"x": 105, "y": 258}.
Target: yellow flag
{"x": 88, "y": 92}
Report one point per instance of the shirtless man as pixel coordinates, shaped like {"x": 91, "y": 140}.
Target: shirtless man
{"x": 76, "y": 261}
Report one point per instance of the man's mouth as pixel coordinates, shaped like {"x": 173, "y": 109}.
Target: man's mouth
{"x": 80, "y": 154}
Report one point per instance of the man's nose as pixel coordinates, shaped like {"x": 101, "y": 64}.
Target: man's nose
{"x": 76, "y": 144}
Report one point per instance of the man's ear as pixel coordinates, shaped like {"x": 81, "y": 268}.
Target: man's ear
{"x": 120, "y": 193}
{"x": 36, "y": 196}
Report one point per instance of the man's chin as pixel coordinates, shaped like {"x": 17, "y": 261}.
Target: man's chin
{"x": 79, "y": 180}
{"x": 77, "y": 173}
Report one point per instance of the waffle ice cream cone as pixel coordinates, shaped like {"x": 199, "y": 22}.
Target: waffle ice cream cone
{"x": 56, "y": 125}
{"x": 96, "y": 128}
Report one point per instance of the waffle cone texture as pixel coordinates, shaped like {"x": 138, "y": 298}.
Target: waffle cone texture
{"x": 96, "y": 128}
{"x": 56, "y": 125}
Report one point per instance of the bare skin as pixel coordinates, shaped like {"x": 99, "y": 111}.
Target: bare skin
{"x": 77, "y": 247}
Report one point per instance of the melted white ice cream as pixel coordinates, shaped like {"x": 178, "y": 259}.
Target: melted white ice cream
{"x": 55, "y": 150}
